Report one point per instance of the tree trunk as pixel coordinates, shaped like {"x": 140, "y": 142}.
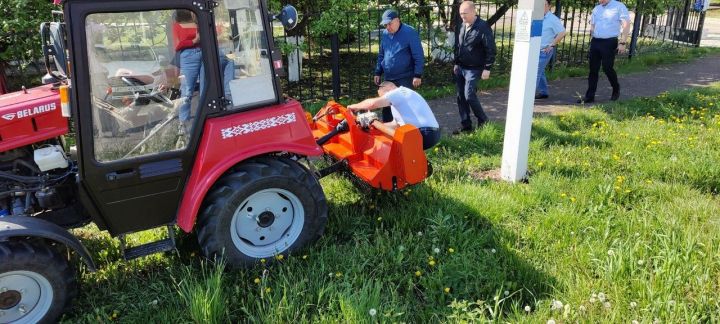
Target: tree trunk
{"x": 500, "y": 12}
{"x": 3, "y": 80}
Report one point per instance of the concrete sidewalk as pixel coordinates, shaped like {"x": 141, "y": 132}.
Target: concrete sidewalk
{"x": 564, "y": 93}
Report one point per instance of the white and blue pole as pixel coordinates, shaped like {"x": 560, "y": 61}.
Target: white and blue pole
{"x": 526, "y": 55}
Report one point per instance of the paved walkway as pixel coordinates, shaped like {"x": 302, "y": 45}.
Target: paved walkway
{"x": 564, "y": 93}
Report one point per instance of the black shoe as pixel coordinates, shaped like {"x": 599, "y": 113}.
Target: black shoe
{"x": 541, "y": 96}
{"x": 585, "y": 100}
{"x": 462, "y": 130}
{"x": 615, "y": 95}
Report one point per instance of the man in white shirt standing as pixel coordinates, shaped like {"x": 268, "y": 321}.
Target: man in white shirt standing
{"x": 407, "y": 107}
{"x": 553, "y": 32}
{"x": 609, "y": 24}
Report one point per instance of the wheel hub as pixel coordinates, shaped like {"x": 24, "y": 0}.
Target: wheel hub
{"x": 9, "y": 299}
{"x": 266, "y": 219}
{"x": 267, "y": 222}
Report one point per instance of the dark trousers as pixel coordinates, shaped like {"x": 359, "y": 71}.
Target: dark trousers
{"x": 602, "y": 52}
{"x": 404, "y": 82}
{"x": 430, "y": 135}
{"x": 467, "y": 99}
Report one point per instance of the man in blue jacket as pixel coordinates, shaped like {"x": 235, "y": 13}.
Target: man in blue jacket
{"x": 400, "y": 58}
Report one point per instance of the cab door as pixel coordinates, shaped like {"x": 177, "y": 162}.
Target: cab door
{"x": 142, "y": 85}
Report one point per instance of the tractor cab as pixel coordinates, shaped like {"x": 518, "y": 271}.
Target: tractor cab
{"x": 145, "y": 79}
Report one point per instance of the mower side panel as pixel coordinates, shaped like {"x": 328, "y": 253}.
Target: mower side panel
{"x": 25, "y": 226}
{"x": 231, "y": 139}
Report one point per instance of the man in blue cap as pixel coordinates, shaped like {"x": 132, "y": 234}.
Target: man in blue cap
{"x": 400, "y": 59}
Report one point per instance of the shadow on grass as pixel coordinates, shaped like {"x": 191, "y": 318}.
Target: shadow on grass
{"x": 427, "y": 223}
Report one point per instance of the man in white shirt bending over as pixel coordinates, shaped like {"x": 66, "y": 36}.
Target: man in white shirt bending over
{"x": 407, "y": 107}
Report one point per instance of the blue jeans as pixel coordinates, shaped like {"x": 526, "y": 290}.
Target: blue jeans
{"x": 191, "y": 66}
{"x": 430, "y": 135}
{"x": 542, "y": 84}
{"x": 228, "y": 70}
{"x": 467, "y": 99}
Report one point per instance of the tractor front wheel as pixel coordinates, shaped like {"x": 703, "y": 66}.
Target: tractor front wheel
{"x": 266, "y": 207}
{"x": 36, "y": 283}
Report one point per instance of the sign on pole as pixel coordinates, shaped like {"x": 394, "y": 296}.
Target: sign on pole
{"x": 526, "y": 55}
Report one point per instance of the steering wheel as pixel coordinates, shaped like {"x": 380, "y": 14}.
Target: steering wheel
{"x": 154, "y": 95}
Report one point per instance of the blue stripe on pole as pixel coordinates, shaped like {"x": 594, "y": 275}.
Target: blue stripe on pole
{"x": 536, "y": 28}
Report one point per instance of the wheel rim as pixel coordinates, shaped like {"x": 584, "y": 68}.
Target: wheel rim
{"x": 24, "y": 296}
{"x": 267, "y": 223}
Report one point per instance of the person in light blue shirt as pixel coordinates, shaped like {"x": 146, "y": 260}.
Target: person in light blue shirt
{"x": 609, "y": 24}
{"x": 553, "y": 32}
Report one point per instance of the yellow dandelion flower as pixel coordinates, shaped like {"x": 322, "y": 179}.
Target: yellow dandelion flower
{"x": 268, "y": 289}
{"x": 257, "y": 280}
{"x": 447, "y": 290}
{"x": 563, "y": 195}
{"x": 418, "y": 273}
{"x": 431, "y": 263}
{"x": 627, "y": 190}
{"x": 572, "y": 199}
{"x": 338, "y": 274}
{"x": 436, "y": 149}
{"x": 279, "y": 257}
{"x": 262, "y": 261}
{"x": 451, "y": 250}
{"x": 540, "y": 164}
{"x": 305, "y": 257}
{"x": 379, "y": 219}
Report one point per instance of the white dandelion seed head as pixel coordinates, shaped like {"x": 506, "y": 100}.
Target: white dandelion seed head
{"x": 582, "y": 308}
{"x": 641, "y": 262}
{"x": 436, "y": 250}
{"x": 551, "y": 321}
{"x": 637, "y": 234}
{"x": 607, "y": 305}
{"x": 419, "y": 233}
{"x": 593, "y": 300}
{"x": 493, "y": 251}
{"x": 506, "y": 293}
{"x": 611, "y": 252}
{"x": 527, "y": 308}
{"x": 572, "y": 233}
{"x": 656, "y": 321}
{"x": 373, "y": 312}
{"x": 496, "y": 298}
{"x": 633, "y": 304}
{"x": 331, "y": 274}
{"x": 635, "y": 322}
{"x": 601, "y": 297}
{"x": 556, "y": 305}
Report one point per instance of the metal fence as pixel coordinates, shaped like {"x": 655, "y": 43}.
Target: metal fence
{"x": 341, "y": 62}
{"x": 355, "y": 56}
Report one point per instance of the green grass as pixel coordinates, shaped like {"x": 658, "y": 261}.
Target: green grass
{"x": 618, "y": 222}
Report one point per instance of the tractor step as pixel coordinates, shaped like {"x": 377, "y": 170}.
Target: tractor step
{"x": 164, "y": 245}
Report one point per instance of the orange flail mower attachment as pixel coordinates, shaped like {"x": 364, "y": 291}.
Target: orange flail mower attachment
{"x": 383, "y": 162}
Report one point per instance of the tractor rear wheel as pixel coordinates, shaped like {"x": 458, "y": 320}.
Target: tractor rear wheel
{"x": 36, "y": 283}
{"x": 265, "y": 207}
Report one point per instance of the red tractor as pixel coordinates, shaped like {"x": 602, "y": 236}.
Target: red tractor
{"x": 197, "y": 137}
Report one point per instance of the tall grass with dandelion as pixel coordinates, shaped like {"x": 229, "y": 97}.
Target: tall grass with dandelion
{"x": 618, "y": 223}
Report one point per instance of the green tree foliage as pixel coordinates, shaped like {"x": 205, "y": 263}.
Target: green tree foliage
{"x": 19, "y": 30}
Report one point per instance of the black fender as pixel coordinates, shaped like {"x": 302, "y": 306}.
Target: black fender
{"x": 25, "y": 226}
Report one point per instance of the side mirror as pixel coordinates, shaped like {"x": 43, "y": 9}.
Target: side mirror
{"x": 288, "y": 17}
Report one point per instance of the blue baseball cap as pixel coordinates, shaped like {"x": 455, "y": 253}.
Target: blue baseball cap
{"x": 388, "y": 16}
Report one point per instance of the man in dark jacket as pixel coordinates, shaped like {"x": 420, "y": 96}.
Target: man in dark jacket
{"x": 401, "y": 57}
{"x": 474, "y": 57}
